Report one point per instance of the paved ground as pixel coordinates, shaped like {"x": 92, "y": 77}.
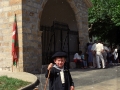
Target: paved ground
{"x": 92, "y": 79}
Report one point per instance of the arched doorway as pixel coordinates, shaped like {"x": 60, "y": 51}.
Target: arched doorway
{"x": 59, "y": 28}
{"x": 35, "y": 13}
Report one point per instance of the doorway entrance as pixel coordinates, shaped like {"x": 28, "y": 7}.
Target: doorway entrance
{"x": 58, "y": 37}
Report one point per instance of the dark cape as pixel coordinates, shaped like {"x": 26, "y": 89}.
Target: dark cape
{"x": 55, "y": 79}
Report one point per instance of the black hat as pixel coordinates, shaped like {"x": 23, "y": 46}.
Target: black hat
{"x": 59, "y": 54}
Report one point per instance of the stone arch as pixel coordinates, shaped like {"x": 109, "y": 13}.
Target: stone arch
{"x": 66, "y": 3}
{"x": 71, "y": 3}
{"x": 31, "y": 34}
{"x": 80, "y": 8}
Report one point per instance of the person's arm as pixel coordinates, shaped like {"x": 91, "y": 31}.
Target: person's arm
{"x": 102, "y": 48}
{"x": 49, "y": 69}
{"x": 71, "y": 81}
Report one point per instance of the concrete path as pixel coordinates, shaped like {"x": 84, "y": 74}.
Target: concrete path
{"x": 92, "y": 79}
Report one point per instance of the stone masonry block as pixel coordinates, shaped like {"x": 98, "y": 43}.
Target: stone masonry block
{"x": 10, "y": 13}
{"x": 5, "y": 20}
{"x": 4, "y": 3}
{"x": 15, "y": 7}
{"x": 1, "y": 49}
{"x": 6, "y": 8}
{"x": 7, "y": 38}
{"x": 5, "y": 44}
{"x": 2, "y": 14}
{"x": 13, "y": 2}
{"x": 4, "y": 26}
{"x": 7, "y": 50}
{"x": 6, "y": 31}
{"x": 1, "y": 21}
{"x": 1, "y": 38}
{"x": 26, "y": 30}
{"x": 30, "y": 3}
{"x": 34, "y": 44}
{"x": 26, "y": 19}
{"x": 1, "y": 9}
{"x": 18, "y": 12}
{"x": 20, "y": 6}
{"x": 11, "y": 19}
{"x": 30, "y": 37}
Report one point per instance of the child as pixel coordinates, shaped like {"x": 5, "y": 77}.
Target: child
{"x": 84, "y": 60}
{"x": 60, "y": 77}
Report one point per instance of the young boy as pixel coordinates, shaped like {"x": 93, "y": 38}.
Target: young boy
{"x": 60, "y": 77}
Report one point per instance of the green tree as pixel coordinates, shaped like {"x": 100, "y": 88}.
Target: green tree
{"x": 105, "y": 19}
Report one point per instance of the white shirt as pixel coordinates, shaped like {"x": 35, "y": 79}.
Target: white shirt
{"x": 62, "y": 76}
{"x": 99, "y": 47}
{"x": 61, "y": 73}
{"x": 115, "y": 54}
{"x": 77, "y": 56}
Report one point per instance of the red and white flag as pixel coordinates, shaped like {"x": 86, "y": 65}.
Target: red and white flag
{"x": 15, "y": 42}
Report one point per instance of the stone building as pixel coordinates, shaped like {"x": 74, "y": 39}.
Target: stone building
{"x": 44, "y": 26}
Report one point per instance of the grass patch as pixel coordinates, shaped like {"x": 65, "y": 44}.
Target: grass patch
{"x": 8, "y": 83}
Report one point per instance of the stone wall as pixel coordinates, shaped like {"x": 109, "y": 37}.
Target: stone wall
{"x": 28, "y": 14}
{"x": 81, "y": 13}
{"x": 32, "y": 49}
{"x": 31, "y": 36}
{"x": 8, "y": 8}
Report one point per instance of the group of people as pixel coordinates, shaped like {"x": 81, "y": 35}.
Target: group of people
{"x": 80, "y": 60}
{"x": 98, "y": 55}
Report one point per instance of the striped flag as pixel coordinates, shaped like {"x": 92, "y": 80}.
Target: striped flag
{"x": 15, "y": 42}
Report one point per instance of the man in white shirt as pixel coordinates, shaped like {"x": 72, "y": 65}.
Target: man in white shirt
{"x": 99, "y": 49}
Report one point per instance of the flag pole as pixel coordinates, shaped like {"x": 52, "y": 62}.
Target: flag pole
{"x": 12, "y": 67}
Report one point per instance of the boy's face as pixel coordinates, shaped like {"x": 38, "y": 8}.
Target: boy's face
{"x": 59, "y": 61}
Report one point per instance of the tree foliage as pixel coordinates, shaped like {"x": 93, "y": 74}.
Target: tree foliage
{"x": 105, "y": 17}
